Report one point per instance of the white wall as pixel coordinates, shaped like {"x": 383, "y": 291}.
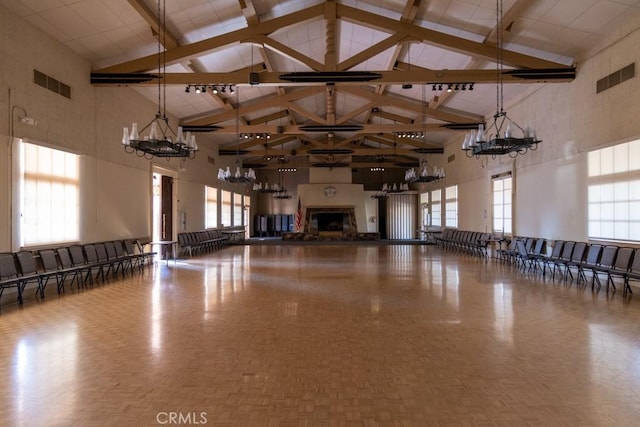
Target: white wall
{"x": 115, "y": 186}
{"x": 346, "y": 195}
{"x": 551, "y": 183}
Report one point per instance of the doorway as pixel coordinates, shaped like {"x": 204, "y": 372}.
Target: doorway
{"x": 382, "y": 217}
{"x": 163, "y": 209}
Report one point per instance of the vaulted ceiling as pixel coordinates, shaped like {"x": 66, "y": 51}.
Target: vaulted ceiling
{"x": 332, "y": 80}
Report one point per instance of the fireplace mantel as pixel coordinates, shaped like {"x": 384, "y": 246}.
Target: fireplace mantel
{"x": 331, "y": 220}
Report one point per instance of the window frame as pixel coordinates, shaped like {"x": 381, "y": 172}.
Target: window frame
{"x": 53, "y": 168}
{"x": 505, "y": 193}
{"x": 613, "y": 193}
{"x": 451, "y": 207}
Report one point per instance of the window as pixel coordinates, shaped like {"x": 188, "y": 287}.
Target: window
{"x": 211, "y": 207}
{"x": 237, "y": 209}
{"x": 502, "y": 203}
{"x": 226, "y": 209}
{"x": 247, "y": 213}
{"x": 614, "y": 192}
{"x": 49, "y": 196}
{"x": 451, "y": 206}
{"x": 435, "y": 208}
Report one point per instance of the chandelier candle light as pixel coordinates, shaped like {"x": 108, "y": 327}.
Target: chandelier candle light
{"x": 424, "y": 175}
{"x": 238, "y": 176}
{"x": 161, "y": 141}
{"x": 495, "y": 140}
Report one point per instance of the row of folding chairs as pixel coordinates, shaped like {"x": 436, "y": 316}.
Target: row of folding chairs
{"x": 204, "y": 241}
{"x": 79, "y": 265}
{"x": 577, "y": 260}
{"x": 473, "y": 242}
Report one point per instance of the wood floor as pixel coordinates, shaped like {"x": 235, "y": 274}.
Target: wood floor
{"x": 323, "y": 335}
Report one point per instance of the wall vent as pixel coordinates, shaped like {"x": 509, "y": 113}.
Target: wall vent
{"x": 616, "y": 78}
{"x": 41, "y": 79}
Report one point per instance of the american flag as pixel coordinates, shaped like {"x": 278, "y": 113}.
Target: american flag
{"x": 299, "y": 217}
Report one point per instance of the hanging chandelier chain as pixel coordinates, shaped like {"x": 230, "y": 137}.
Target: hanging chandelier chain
{"x": 164, "y": 57}
{"x": 499, "y": 59}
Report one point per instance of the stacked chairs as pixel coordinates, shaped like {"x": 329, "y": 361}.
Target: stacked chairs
{"x": 620, "y": 268}
{"x": 9, "y": 275}
{"x": 198, "y": 242}
{"x": 563, "y": 259}
{"x": 530, "y": 253}
{"x": 29, "y": 272}
{"x": 632, "y": 274}
{"x": 56, "y": 269}
{"x": 510, "y": 253}
{"x": 143, "y": 258}
{"x": 576, "y": 259}
{"x": 473, "y": 242}
{"x": 589, "y": 263}
{"x": 77, "y": 271}
{"x": 556, "y": 253}
{"x": 81, "y": 265}
{"x": 613, "y": 262}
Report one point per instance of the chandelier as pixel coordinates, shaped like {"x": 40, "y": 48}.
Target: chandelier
{"x": 282, "y": 193}
{"x": 238, "y": 176}
{"x": 162, "y": 140}
{"x": 495, "y": 140}
{"x": 426, "y": 173}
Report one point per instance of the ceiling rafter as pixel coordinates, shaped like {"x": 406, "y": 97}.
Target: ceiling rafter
{"x": 258, "y": 105}
{"x": 288, "y": 52}
{"x": 202, "y": 47}
{"x": 413, "y": 106}
{"x": 447, "y": 41}
{"x": 372, "y": 51}
{"x": 249, "y": 11}
{"x": 342, "y": 12}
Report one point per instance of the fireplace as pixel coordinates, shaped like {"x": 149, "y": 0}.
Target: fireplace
{"x": 335, "y": 221}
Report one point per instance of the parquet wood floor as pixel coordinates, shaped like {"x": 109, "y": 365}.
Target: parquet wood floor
{"x": 323, "y": 336}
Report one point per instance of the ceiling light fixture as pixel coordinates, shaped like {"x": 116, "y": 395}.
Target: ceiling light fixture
{"x": 495, "y": 141}
{"x": 239, "y": 176}
{"x": 425, "y": 173}
{"x": 161, "y": 141}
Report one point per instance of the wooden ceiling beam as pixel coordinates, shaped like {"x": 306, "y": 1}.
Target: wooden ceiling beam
{"x": 206, "y": 46}
{"x": 370, "y": 128}
{"x": 287, "y": 52}
{"x": 372, "y": 51}
{"x": 256, "y": 105}
{"x": 170, "y": 42}
{"x": 415, "y": 75}
{"x": 464, "y": 46}
{"x": 406, "y": 104}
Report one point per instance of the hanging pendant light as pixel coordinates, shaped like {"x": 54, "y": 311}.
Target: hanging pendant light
{"x": 500, "y": 137}
{"x": 161, "y": 140}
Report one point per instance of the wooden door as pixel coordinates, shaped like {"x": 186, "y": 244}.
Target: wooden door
{"x": 166, "y": 208}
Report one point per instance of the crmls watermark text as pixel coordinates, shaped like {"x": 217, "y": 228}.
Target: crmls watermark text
{"x": 177, "y": 418}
